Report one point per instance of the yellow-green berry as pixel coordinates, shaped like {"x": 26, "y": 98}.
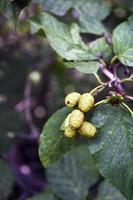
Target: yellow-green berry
{"x": 88, "y": 130}
{"x": 76, "y": 119}
{"x": 69, "y": 132}
{"x": 86, "y": 102}
{"x": 71, "y": 99}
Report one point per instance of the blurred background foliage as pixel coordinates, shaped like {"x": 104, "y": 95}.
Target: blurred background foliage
{"x": 33, "y": 83}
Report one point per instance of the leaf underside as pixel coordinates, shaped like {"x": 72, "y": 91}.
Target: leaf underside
{"x": 123, "y": 42}
{"x": 107, "y": 192}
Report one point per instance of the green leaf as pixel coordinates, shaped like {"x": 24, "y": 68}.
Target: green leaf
{"x": 46, "y": 195}
{"x": 97, "y": 8}
{"x": 112, "y": 149}
{"x": 53, "y": 143}
{"x": 92, "y": 12}
{"x": 84, "y": 67}
{"x": 6, "y": 180}
{"x": 108, "y": 192}
{"x": 123, "y": 42}
{"x": 100, "y": 48}
{"x": 71, "y": 176}
{"x": 64, "y": 39}
{"x": 59, "y": 7}
{"x": 91, "y": 25}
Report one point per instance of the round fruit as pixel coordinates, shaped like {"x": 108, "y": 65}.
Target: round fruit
{"x": 69, "y": 132}
{"x": 71, "y": 99}
{"x": 76, "y": 119}
{"x": 87, "y": 129}
{"x": 86, "y": 102}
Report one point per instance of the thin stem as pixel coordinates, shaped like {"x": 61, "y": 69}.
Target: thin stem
{"x": 96, "y": 89}
{"x": 99, "y": 80}
{"x": 101, "y": 89}
{"x": 129, "y": 97}
{"x": 114, "y": 59}
{"x": 102, "y": 61}
{"x": 108, "y": 74}
{"x": 104, "y": 101}
{"x": 127, "y": 107}
{"x": 126, "y": 80}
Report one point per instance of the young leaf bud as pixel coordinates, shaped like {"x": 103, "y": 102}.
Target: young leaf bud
{"x": 72, "y": 99}
{"x": 86, "y": 102}
{"x": 65, "y": 123}
{"x": 69, "y": 132}
{"x": 76, "y": 119}
{"x": 87, "y": 129}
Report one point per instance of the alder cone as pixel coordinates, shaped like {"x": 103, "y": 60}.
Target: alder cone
{"x": 71, "y": 99}
{"x": 87, "y": 129}
{"x": 76, "y": 119}
{"x": 69, "y": 132}
{"x": 86, "y": 102}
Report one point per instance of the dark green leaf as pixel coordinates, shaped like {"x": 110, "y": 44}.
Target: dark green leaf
{"x": 84, "y": 67}
{"x": 46, "y": 195}
{"x": 123, "y": 42}
{"x": 71, "y": 176}
{"x": 112, "y": 149}
{"x": 64, "y": 39}
{"x": 53, "y": 143}
{"x": 84, "y": 159}
{"x": 108, "y": 192}
{"x": 6, "y": 181}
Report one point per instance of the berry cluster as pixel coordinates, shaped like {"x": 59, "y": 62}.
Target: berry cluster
{"x": 74, "y": 123}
